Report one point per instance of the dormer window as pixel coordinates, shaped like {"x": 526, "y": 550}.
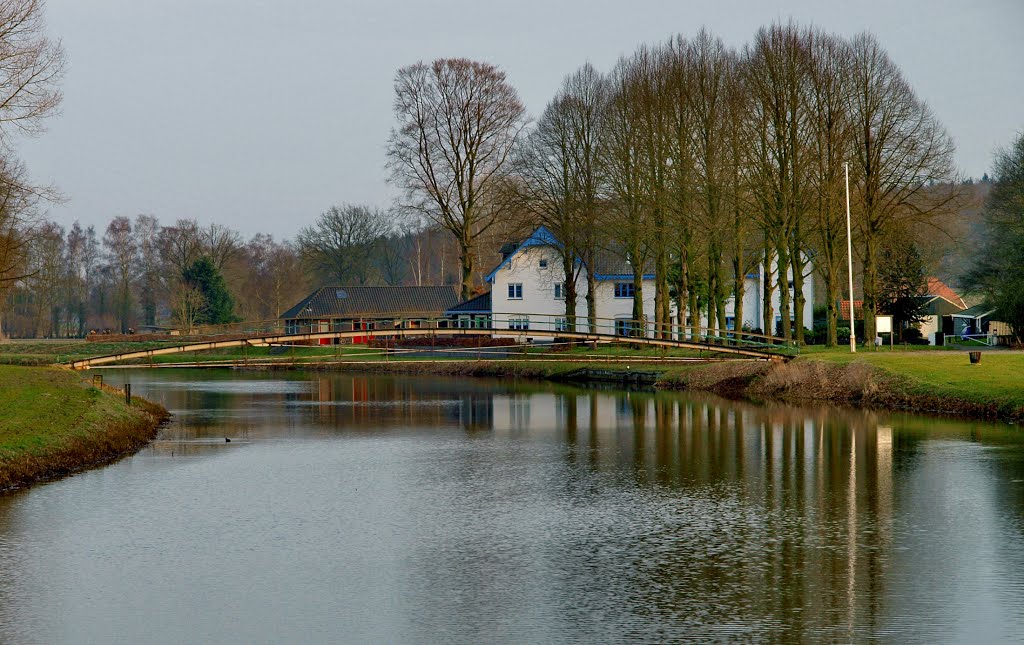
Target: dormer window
{"x": 543, "y": 263}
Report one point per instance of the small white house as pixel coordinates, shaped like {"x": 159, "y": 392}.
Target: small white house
{"x": 528, "y": 292}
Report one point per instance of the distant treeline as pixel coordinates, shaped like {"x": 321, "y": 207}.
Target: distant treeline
{"x": 136, "y": 272}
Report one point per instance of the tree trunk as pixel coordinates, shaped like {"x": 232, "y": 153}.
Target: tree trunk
{"x": 694, "y": 315}
{"x": 638, "y": 299}
{"x": 663, "y": 300}
{"x": 783, "y": 281}
{"x": 680, "y": 332}
{"x": 466, "y": 258}
{"x": 592, "y": 303}
{"x": 832, "y": 306}
{"x": 739, "y": 290}
{"x": 767, "y": 309}
{"x": 797, "y": 262}
{"x": 569, "y": 289}
{"x": 870, "y": 288}
{"x": 720, "y": 299}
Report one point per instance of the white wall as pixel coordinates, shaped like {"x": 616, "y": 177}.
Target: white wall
{"x": 538, "y": 293}
{"x": 753, "y": 313}
{"x": 930, "y": 326}
{"x": 538, "y": 296}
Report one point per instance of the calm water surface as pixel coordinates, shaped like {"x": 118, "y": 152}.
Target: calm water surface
{"x": 390, "y": 509}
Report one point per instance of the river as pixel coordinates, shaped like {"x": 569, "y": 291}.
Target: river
{"x": 381, "y": 509}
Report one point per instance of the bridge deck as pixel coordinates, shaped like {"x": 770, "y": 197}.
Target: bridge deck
{"x": 708, "y": 346}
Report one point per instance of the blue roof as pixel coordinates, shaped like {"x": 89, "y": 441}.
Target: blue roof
{"x": 602, "y": 277}
{"x": 540, "y": 237}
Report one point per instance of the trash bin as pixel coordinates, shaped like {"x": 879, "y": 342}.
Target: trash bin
{"x": 975, "y": 357}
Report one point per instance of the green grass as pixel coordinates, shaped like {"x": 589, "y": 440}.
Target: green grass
{"x": 51, "y": 423}
{"x": 997, "y": 380}
{"x": 48, "y": 353}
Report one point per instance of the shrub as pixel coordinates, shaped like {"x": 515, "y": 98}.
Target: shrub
{"x": 911, "y": 335}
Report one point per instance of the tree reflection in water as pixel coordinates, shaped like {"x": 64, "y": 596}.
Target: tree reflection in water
{"x": 570, "y": 514}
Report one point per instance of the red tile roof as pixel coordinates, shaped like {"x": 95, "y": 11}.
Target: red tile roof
{"x": 937, "y": 287}
{"x": 844, "y": 309}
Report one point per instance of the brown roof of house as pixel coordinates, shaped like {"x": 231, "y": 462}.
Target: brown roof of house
{"x": 844, "y": 309}
{"x": 374, "y": 302}
{"x": 939, "y": 288}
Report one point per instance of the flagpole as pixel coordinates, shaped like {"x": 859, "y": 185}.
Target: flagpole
{"x": 849, "y": 258}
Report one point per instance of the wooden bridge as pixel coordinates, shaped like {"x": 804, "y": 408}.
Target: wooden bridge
{"x": 733, "y": 345}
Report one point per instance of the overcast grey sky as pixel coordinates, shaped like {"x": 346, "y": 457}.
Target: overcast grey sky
{"x": 260, "y": 114}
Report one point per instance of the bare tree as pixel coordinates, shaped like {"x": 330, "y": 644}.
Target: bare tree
{"x": 902, "y": 170}
{"x": 682, "y": 234}
{"x": 341, "y": 245}
{"x": 274, "y": 279}
{"x": 221, "y": 244}
{"x": 628, "y": 227}
{"x": 81, "y": 256}
{"x": 146, "y": 231}
{"x": 775, "y": 68}
{"x": 45, "y": 279}
{"x": 831, "y": 137}
{"x": 187, "y": 306}
{"x": 18, "y": 201}
{"x": 180, "y": 246}
{"x": 31, "y": 66}
{"x": 122, "y": 254}
{"x": 712, "y": 67}
{"x": 458, "y": 121}
{"x": 558, "y": 180}
{"x": 392, "y": 254}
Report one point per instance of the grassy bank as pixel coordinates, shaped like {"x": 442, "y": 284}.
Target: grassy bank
{"x": 935, "y": 382}
{"x": 59, "y": 351}
{"x": 913, "y": 378}
{"x": 995, "y": 384}
{"x": 52, "y": 424}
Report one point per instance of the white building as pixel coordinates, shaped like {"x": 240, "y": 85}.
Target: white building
{"x": 528, "y": 292}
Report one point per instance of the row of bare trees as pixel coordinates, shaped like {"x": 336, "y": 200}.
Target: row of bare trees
{"x": 31, "y": 67}
{"x": 132, "y": 273}
{"x": 691, "y": 160}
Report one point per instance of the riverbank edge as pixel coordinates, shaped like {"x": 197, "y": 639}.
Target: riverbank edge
{"x": 98, "y": 438}
{"x": 802, "y": 381}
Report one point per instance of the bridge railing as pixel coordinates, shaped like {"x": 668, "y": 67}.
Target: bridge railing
{"x": 519, "y": 324}
{"x": 515, "y": 323}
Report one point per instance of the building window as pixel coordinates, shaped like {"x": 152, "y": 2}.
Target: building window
{"x": 730, "y": 323}
{"x": 624, "y": 290}
{"x": 624, "y": 327}
{"x": 515, "y": 291}
{"x": 559, "y": 291}
{"x": 543, "y": 264}
{"x": 561, "y": 324}
{"x": 519, "y": 323}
